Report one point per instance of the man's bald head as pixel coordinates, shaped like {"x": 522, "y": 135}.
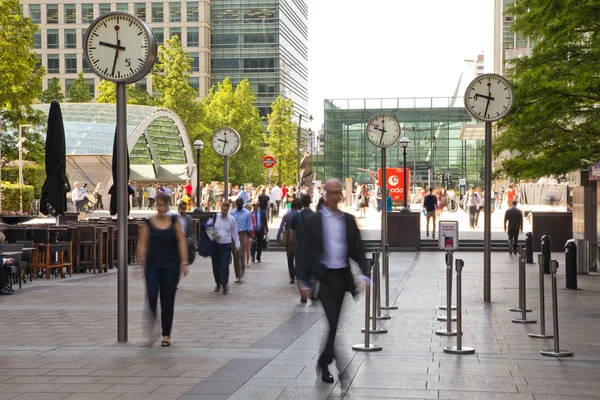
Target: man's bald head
{"x": 333, "y": 190}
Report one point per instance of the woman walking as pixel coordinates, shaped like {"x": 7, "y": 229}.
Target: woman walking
{"x": 364, "y": 201}
{"x": 162, "y": 250}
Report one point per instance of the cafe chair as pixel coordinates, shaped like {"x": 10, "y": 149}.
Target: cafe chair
{"x": 86, "y": 248}
{"x": 12, "y": 270}
{"x": 64, "y": 247}
{"x": 26, "y": 261}
{"x": 46, "y": 252}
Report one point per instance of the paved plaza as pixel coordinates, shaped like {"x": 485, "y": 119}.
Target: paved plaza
{"x": 260, "y": 342}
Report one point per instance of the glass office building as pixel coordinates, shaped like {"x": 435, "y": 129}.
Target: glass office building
{"x": 436, "y": 146}
{"x": 265, "y": 41}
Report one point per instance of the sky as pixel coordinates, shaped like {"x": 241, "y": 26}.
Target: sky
{"x": 394, "y": 48}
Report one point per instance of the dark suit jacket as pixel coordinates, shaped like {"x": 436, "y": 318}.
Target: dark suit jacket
{"x": 514, "y": 216}
{"x": 313, "y": 245}
{"x": 263, "y": 222}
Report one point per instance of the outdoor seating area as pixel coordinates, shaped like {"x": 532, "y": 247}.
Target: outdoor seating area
{"x": 43, "y": 251}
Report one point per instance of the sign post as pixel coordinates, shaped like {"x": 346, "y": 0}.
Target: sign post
{"x": 268, "y": 162}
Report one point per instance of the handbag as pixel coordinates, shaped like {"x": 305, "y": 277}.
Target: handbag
{"x": 206, "y": 242}
{"x": 283, "y": 238}
{"x": 191, "y": 250}
{"x": 266, "y": 242}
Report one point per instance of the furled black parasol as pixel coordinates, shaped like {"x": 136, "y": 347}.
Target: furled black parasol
{"x": 56, "y": 187}
{"x": 113, "y": 189}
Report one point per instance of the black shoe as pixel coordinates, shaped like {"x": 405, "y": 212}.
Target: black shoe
{"x": 325, "y": 375}
{"x": 433, "y": 236}
{"x": 292, "y": 281}
{"x": 4, "y": 292}
{"x": 303, "y": 300}
{"x": 8, "y": 289}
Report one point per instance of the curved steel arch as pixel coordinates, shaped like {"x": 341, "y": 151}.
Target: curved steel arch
{"x": 141, "y": 129}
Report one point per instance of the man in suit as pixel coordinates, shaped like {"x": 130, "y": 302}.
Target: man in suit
{"x": 296, "y": 234}
{"x": 261, "y": 230}
{"x": 514, "y": 217}
{"x": 5, "y": 290}
{"x": 331, "y": 238}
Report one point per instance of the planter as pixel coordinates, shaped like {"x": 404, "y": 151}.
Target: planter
{"x": 16, "y": 219}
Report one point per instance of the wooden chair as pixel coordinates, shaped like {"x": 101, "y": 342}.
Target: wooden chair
{"x": 132, "y": 239}
{"x": 64, "y": 246}
{"x": 26, "y": 261}
{"x": 86, "y": 248}
{"x": 45, "y": 247}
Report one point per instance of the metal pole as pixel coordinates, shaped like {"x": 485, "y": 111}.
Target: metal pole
{"x": 376, "y": 299}
{"x": 487, "y": 231}
{"x": 384, "y": 230}
{"x": 226, "y": 178}
{"x": 367, "y": 346}
{"x": 448, "y": 318}
{"x": 458, "y": 349}
{"x": 542, "y": 334}
{"x": 121, "y": 186}
{"x": 298, "y": 149}
{"x": 377, "y": 287}
{"x": 556, "y": 352}
{"x": 269, "y": 173}
{"x": 523, "y": 291}
{"x": 522, "y": 283}
{"x": 20, "y": 169}
{"x": 387, "y": 282}
{"x": 414, "y": 174}
{"x": 198, "y": 179}
{"x": 404, "y": 187}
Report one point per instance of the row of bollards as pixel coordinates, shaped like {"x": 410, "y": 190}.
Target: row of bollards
{"x": 523, "y": 290}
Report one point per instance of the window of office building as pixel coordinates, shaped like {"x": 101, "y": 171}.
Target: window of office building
{"x": 260, "y": 38}
{"x": 139, "y": 10}
{"x": 53, "y": 64}
{"x": 195, "y": 61}
{"x": 193, "y": 11}
{"x": 37, "y": 40}
{"x": 175, "y": 31}
{"x": 52, "y": 13}
{"x": 159, "y": 34}
{"x": 35, "y": 13}
{"x": 70, "y": 14}
{"x": 71, "y": 63}
{"x": 83, "y": 31}
{"x": 85, "y": 67}
{"x": 142, "y": 84}
{"x": 104, "y": 8}
{"x": 259, "y": 64}
{"x": 123, "y": 7}
{"x": 157, "y": 12}
{"x": 38, "y": 65}
{"x": 224, "y": 41}
{"x": 193, "y": 37}
{"x": 175, "y": 12}
{"x": 52, "y": 38}
{"x": 225, "y": 64}
{"x": 70, "y": 39}
{"x": 68, "y": 84}
{"x": 194, "y": 82}
{"x": 87, "y": 13}
{"x": 259, "y": 15}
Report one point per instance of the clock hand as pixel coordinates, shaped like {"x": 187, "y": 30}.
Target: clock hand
{"x": 116, "y": 51}
{"x": 477, "y": 95}
{"x": 112, "y": 46}
{"x": 382, "y": 130}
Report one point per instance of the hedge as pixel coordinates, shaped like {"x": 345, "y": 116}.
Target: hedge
{"x": 33, "y": 175}
{"x": 11, "y": 200}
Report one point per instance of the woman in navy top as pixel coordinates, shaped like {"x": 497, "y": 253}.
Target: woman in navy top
{"x": 163, "y": 253}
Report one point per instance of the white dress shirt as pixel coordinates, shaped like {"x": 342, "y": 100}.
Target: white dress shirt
{"x": 335, "y": 248}
{"x": 277, "y": 193}
{"x": 226, "y": 229}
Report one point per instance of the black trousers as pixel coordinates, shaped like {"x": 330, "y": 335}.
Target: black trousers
{"x": 290, "y": 261}
{"x": 513, "y": 240}
{"x": 257, "y": 245}
{"x": 3, "y": 278}
{"x": 473, "y": 216}
{"x": 163, "y": 282}
{"x": 332, "y": 299}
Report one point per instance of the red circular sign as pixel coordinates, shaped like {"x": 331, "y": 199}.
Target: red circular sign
{"x": 268, "y": 161}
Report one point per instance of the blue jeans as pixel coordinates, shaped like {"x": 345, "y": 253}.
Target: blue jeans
{"x": 220, "y": 263}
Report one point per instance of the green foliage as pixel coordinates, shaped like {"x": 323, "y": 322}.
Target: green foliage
{"x": 79, "y": 92}
{"x": 35, "y": 145}
{"x": 11, "y": 197}
{"x": 20, "y": 73}
{"x": 135, "y": 95}
{"x": 33, "y": 175}
{"x": 54, "y": 92}
{"x": 233, "y": 108}
{"x": 281, "y": 139}
{"x": 555, "y": 122}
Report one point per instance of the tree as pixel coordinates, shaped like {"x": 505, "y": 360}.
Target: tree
{"x": 281, "y": 139}
{"x": 79, "y": 92}
{"x": 555, "y": 121}
{"x": 233, "y": 108}
{"x": 54, "y": 92}
{"x": 135, "y": 95}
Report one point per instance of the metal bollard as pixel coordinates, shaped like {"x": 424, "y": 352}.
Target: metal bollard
{"x": 523, "y": 291}
{"x": 571, "y": 264}
{"x": 375, "y": 281}
{"x": 448, "y": 318}
{"x": 546, "y": 249}
{"x": 522, "y": 282}
{"x": 367, "y": 346}
{"x": 556, "y": 352}
{"x": 449, "y": 258}
{"x": 459, "y": 349}
{"x": 387, "y": 281}
{"x": 529, "y": 244}
{"x": 543, "y": 334}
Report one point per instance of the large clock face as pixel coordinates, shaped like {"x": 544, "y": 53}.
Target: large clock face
{"x": 489, "y": 97}
{"x": 383, "y": 130}
{"x": 225, "y": 141}
{"x": 120, "y": 47}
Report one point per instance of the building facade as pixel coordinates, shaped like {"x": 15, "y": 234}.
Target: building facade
{"x": 507, "y": 44}
{"x": 266, "y": 42}
{"x": 63, "y": 23}
{"x": 433, "y": 126}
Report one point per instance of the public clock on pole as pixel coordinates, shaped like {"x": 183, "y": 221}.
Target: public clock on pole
{"x": 119, "y": 47}
{"x": 489, "y": 97}
{"x": 383, "y": 130}
{"x": 225, "y": 141}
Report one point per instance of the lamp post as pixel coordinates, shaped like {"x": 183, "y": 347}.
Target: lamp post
{"x": 310, "y": 118}
{"x": 198, "y": 145}
{"x": 21, "y": 151}
{"x": 433, "y": 147}
{"x": 404, "y": 143}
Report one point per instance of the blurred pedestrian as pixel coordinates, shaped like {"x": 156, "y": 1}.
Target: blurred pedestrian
{"x": 364, "y": 201}
{"x": 283, "y": 237}
{"x": 514, "y": 218}
{"x": 226, "y": 231}
{"x": 260, "y": 232}
{"x": 296, "y": 237}
{"x": 243, "y": 220}
{"x": 163, "y": 253}
{"x": 430, "y": 205}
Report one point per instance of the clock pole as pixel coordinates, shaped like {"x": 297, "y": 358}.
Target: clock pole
{"x": 226, "y": 178}
{"x": 122, "y": 190}
{"x": 487, "y": 205}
